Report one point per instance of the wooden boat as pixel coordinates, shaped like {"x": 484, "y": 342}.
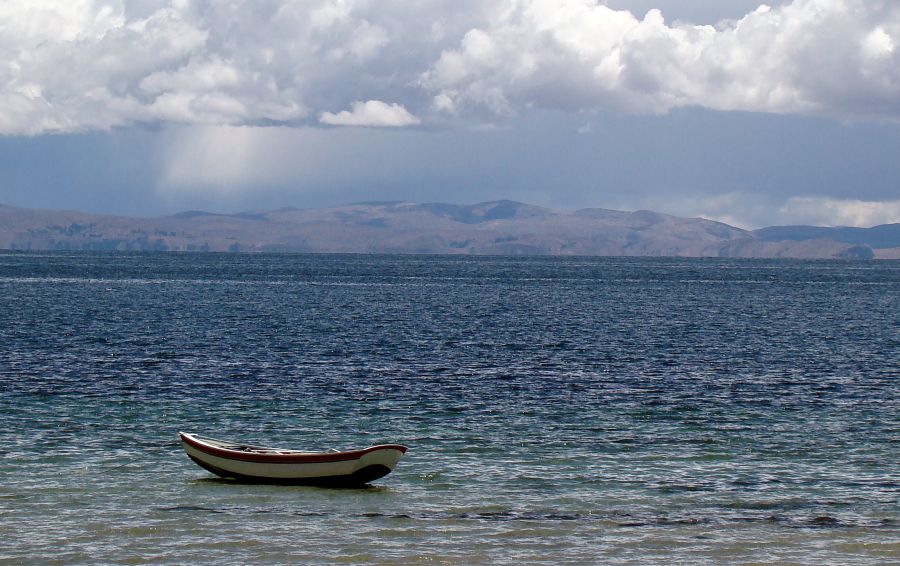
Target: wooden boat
{"x": 260, "y": 464}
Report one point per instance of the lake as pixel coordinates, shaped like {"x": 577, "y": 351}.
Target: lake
{"x": 557, "y": 410}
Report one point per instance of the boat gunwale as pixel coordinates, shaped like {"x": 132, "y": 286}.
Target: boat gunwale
{"x": 296, "y": 458}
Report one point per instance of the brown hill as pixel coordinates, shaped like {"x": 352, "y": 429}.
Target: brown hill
{"x": 501, "y": 227}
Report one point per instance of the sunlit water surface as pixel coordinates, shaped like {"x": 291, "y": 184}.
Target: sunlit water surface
{"x": 622, "y": 411}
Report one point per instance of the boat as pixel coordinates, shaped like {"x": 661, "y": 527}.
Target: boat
{"x": 260, "y": 464}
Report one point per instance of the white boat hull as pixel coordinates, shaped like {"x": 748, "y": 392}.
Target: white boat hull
{"x": 267, "y": 465}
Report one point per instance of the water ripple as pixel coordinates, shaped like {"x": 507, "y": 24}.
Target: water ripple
{"x": 611, "y": 410}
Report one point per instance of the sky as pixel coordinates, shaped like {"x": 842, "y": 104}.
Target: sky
{"x": 755, "y": 115}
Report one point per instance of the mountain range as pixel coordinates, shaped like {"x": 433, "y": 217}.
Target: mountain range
{"x": 498, "y": 227}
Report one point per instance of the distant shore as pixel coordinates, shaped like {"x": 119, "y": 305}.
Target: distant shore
{"x": 490, "y": 228}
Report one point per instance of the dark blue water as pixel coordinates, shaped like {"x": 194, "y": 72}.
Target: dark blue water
{"x": 556, "y": 410}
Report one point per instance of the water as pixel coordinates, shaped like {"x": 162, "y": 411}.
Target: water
{"x": 611, "y": 410}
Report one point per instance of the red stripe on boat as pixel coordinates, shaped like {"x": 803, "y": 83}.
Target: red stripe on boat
{"x": 286, "y": 458}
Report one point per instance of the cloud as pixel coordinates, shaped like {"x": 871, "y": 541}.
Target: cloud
{"x": 95, "y": 65}
{"x": 373, "y": 113}
{"x": 748, "y": 210}
{"x": 82, "y": 65}
{"x": 833, "y": 58}
{"x": 840, "y": 212}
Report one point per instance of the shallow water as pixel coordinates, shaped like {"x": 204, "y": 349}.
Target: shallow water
{"x": 624, "y": 411}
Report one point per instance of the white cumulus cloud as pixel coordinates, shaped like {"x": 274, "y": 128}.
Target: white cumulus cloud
{"x": 822, "y": 57}
{"x": 79, "y": 65}
{"x": 372, "y": 113}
